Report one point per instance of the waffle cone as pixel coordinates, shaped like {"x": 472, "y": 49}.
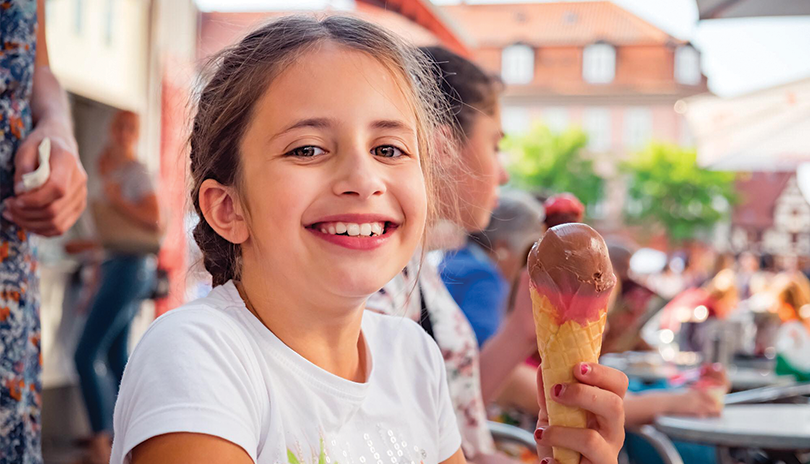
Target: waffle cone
{"x": 561, "y": 347}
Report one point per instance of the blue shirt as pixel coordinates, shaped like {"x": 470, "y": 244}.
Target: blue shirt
{"x": 478, "y": 287}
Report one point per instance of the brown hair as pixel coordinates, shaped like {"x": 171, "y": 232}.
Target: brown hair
{"x": 242, "y": 73}
{"x": 468, "y": 90}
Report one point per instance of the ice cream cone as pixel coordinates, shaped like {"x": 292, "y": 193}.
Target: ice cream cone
{"x": 561, "y": 348}
{"x": 571, "y": 282}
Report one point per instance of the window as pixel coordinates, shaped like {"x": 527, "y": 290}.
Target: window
{"x": 599, "y": 63}
{"x": 637, "y": 127}
{"x": 596, "y": 122}
{"x": 515, "y": 120}
{"x": 687, "y": 65}
{"x": 517, "y": 64}
{"x": 555, "y": 119}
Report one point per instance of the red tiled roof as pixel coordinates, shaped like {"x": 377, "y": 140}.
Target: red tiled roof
{"x": 220, "y": 29}
{"x": 561, "y": 23}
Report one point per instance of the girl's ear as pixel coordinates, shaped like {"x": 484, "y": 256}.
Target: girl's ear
{"x": 223, "y": 211}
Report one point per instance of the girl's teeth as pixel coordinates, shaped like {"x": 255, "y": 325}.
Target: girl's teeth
{"x": 376, "y": 228}
{"x": 354, "y": 230}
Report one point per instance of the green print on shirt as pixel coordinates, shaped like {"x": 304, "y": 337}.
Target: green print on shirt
{"x": 321, "y": 456}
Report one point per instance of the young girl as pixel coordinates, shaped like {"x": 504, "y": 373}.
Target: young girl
{"x": 311, "y": 156}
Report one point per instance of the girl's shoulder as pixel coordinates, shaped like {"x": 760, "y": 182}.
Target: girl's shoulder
{"x": 208, "y": 324}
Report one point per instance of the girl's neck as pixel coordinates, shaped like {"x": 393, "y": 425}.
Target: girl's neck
{"x": 330, "y": 338}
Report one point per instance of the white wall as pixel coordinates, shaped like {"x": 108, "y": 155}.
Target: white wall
{"x": 112, "y": 71}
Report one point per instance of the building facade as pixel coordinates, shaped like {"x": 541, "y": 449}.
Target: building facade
{"x": 592, "y": 65}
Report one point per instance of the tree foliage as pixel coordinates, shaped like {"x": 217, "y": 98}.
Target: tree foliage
{"x": 666, "y": 186}
{"x": 549, "y": 163}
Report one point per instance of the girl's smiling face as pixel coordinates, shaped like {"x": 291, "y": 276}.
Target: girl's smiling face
{"x": 331, "y": 176}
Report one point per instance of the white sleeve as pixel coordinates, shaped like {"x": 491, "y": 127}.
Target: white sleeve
{"x": 449, "y": 435}
{"x": 190, "y": 372}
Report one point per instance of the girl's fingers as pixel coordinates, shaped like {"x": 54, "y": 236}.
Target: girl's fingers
{"x": 542, "y": 450}
{"x": 602, "y": 377}
{"x": 587, "y": 442}
{"x": 607, "y": 406}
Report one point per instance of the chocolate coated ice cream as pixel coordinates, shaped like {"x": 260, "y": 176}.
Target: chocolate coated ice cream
{"x": 570, "y": 266}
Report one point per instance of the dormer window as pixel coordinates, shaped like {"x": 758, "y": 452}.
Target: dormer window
{"x": 517, "y": 64}
{"x": 599, "y": 63}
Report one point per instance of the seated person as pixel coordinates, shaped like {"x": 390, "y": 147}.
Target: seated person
{"x": 479, "y": 276}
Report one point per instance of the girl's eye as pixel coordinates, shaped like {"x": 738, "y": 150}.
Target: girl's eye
{"x": 387, "y": 151}
{"x": 306, "y": 152}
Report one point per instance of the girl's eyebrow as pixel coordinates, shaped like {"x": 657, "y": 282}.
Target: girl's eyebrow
{"x": 392, "y": 124}
{"x": 317, "y": 123}
{"x": 324, "y": 123}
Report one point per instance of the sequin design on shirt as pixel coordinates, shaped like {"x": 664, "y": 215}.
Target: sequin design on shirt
{"x": 384, "y": 447}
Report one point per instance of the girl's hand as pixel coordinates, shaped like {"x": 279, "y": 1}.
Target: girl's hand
{"x": 601, "y": 393}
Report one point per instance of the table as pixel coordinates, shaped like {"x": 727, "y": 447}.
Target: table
{"x": 765, "y": 426}
{"x": 746, "y": 378}
{"x": 741, "y": 378}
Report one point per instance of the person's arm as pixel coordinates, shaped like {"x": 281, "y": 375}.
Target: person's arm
{"x": 145, "y": 212}
{"x": 510, "y": 346}
{"x": 520, "y": 389}
{"x": 189, "y": 448}
{"x": 643, "y": 408}
{"x": 55, "y": 206}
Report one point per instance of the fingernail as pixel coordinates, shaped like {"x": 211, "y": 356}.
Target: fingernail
{"x": 7, "y": 216}
{"x": 717, "y": 367}
{"x": 558, "y": 389}
{"x": 19, "y": 188}
{"x": 538, "y": 433}
{"x": 584, "y": 368}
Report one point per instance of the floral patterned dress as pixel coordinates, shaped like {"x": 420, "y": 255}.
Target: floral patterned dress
{"x": 452, "y": 331}
{"x": 20, "y": 362}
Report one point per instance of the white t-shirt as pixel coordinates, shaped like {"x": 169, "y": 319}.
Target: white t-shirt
{"x": 211, "y": 367}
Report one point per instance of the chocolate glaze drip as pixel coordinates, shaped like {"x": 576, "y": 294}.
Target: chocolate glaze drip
{"x": 571, "y": 267}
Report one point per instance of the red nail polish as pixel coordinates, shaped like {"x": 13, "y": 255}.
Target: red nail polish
{"x": 584, "y": 368}
{"x": 558, "y": 389}
{"x": 538, "y": 434}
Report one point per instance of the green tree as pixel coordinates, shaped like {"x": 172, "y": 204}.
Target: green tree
{"x": 550, "y": 163}
{"x": 667, "y": 187}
